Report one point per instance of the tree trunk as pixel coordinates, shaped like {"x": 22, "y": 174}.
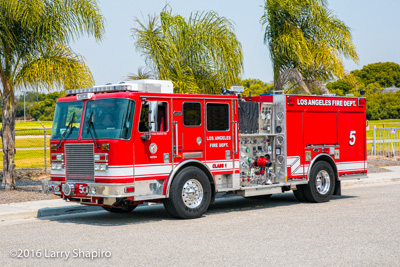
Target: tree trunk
{"x": 293, "y": 76}
{"x": 8, "y": 137}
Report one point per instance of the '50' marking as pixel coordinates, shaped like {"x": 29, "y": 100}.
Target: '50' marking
{"x": 83, "y": 189}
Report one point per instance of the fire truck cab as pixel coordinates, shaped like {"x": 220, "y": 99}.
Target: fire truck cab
{"x": 120, "y": 145}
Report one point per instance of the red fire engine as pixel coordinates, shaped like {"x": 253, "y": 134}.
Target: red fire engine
{"x": 120, "y": 145}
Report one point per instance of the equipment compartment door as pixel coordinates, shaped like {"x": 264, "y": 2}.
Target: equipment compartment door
{"x": 352, "y": 155}
{"x": 188, "y": 129}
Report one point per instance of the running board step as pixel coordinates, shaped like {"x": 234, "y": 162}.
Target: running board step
{"x": 259, "y": 190}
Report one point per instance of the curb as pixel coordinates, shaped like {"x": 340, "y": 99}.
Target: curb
{"x": 41, "y": 208}
{"x": 46, "y": 212}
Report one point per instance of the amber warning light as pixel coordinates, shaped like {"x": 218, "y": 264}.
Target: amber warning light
{"x": 290, "y": 100}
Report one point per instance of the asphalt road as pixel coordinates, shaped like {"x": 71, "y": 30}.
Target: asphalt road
{"x": 360, "y": 228}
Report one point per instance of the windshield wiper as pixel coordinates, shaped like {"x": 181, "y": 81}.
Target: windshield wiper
{"x": 65, "y": 135}
{"x": 89, "y": 124}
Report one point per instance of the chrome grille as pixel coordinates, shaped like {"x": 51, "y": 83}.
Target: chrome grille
{"x": 79, "y": 161}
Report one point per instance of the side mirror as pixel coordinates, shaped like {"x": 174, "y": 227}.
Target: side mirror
{"x": 148, "y": 136}
{"x": 145, "y": 137}
{"x": 151, "y": 119}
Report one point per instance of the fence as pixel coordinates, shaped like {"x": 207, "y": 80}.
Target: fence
{"x": 386, "y": 142}
{"x": 31, "y": 147}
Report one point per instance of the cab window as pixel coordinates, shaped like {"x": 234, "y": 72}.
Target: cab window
{"x": 191, "y": 114}
{"x": 158, "y": 113}
{"x": 217, "y": 117}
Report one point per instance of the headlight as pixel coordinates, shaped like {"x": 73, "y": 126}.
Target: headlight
{"x": 93, "y": 190}
{"x": 57, "y": 166}
{"x": 68, "y": 189}
{"x": 100, "y": 166}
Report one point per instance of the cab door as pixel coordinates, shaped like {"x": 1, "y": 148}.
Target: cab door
{"x": 220, "y": 136}
{"x": 188, "y": 129}
{"x": 152, "y": 146}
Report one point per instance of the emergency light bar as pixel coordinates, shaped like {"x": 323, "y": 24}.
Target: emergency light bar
{"x": 98, "y": 89}
{"x": 151, "y": 86}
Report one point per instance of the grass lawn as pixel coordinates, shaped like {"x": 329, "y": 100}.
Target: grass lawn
{"x": 29, "y": 142}
{"x": 384, "y": 121}
{"x": 29, "y": 159}
{"x": 31, "y": 125}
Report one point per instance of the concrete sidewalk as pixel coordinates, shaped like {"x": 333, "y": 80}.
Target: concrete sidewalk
{"x": 41, "y": 208}
{"x": 373, "y": 178}
{"x": 44, "y": 208}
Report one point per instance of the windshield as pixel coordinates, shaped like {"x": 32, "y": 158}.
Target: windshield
{"x": 108, "y": 118}
{"x": 67, "y": 113}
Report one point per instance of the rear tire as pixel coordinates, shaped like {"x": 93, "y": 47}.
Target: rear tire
{"x": 190, "y": 194}
{"x": 119, "y": 210}
{"x": 321, "y": 183}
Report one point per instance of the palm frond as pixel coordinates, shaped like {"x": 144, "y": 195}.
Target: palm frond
{"x": 307, "y": 36}
{"x": 142, "y": 74}
{"x": 199, "y": 54}
{"x": 58, "y": 67}
{"x": 32, "y": 31}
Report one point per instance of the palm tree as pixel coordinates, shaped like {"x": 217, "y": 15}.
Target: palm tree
{"x": 306, "y": 43}
{"x": 34, "y": 53}
{"x": 200, "y": 54}
{"x": 142, "y": 74}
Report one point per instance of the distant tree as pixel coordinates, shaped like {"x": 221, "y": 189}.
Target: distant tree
{"x": 385, "y": 74}
{"x": 200, "y": 54}
{"x": 44, "y": 110}
{"x": 306, "y": 43}
{"x": 339, "y": 87}
{"x": 383, "y": 106}
{"x": 35, "y": 53}
{"x": 53, "y": 96}
{"x": 29, "y": 96}
{"x": 256, "y": 87}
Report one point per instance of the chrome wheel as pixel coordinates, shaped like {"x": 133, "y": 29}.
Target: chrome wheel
{"x": 323, "y": 182}
{"x": 192, "y": 193}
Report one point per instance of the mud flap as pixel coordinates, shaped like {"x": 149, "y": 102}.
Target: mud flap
{"x": 338, "y": 189}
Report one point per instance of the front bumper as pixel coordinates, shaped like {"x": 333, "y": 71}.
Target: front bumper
{"x": 90, "y": 189}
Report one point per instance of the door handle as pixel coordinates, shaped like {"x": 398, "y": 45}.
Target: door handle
{"x": 176, "y": 138}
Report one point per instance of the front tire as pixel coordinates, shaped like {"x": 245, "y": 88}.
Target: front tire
{"x": 190, "y": 194}
{"x": 321, "y": 183}
{"x": 299, "y": 193}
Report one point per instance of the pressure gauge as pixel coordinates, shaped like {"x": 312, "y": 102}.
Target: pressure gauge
{"x": 280, "y": 139}
{"x": 280, "y": 115}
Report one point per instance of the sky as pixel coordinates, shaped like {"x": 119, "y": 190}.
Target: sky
{"x": 375, "y": 27}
